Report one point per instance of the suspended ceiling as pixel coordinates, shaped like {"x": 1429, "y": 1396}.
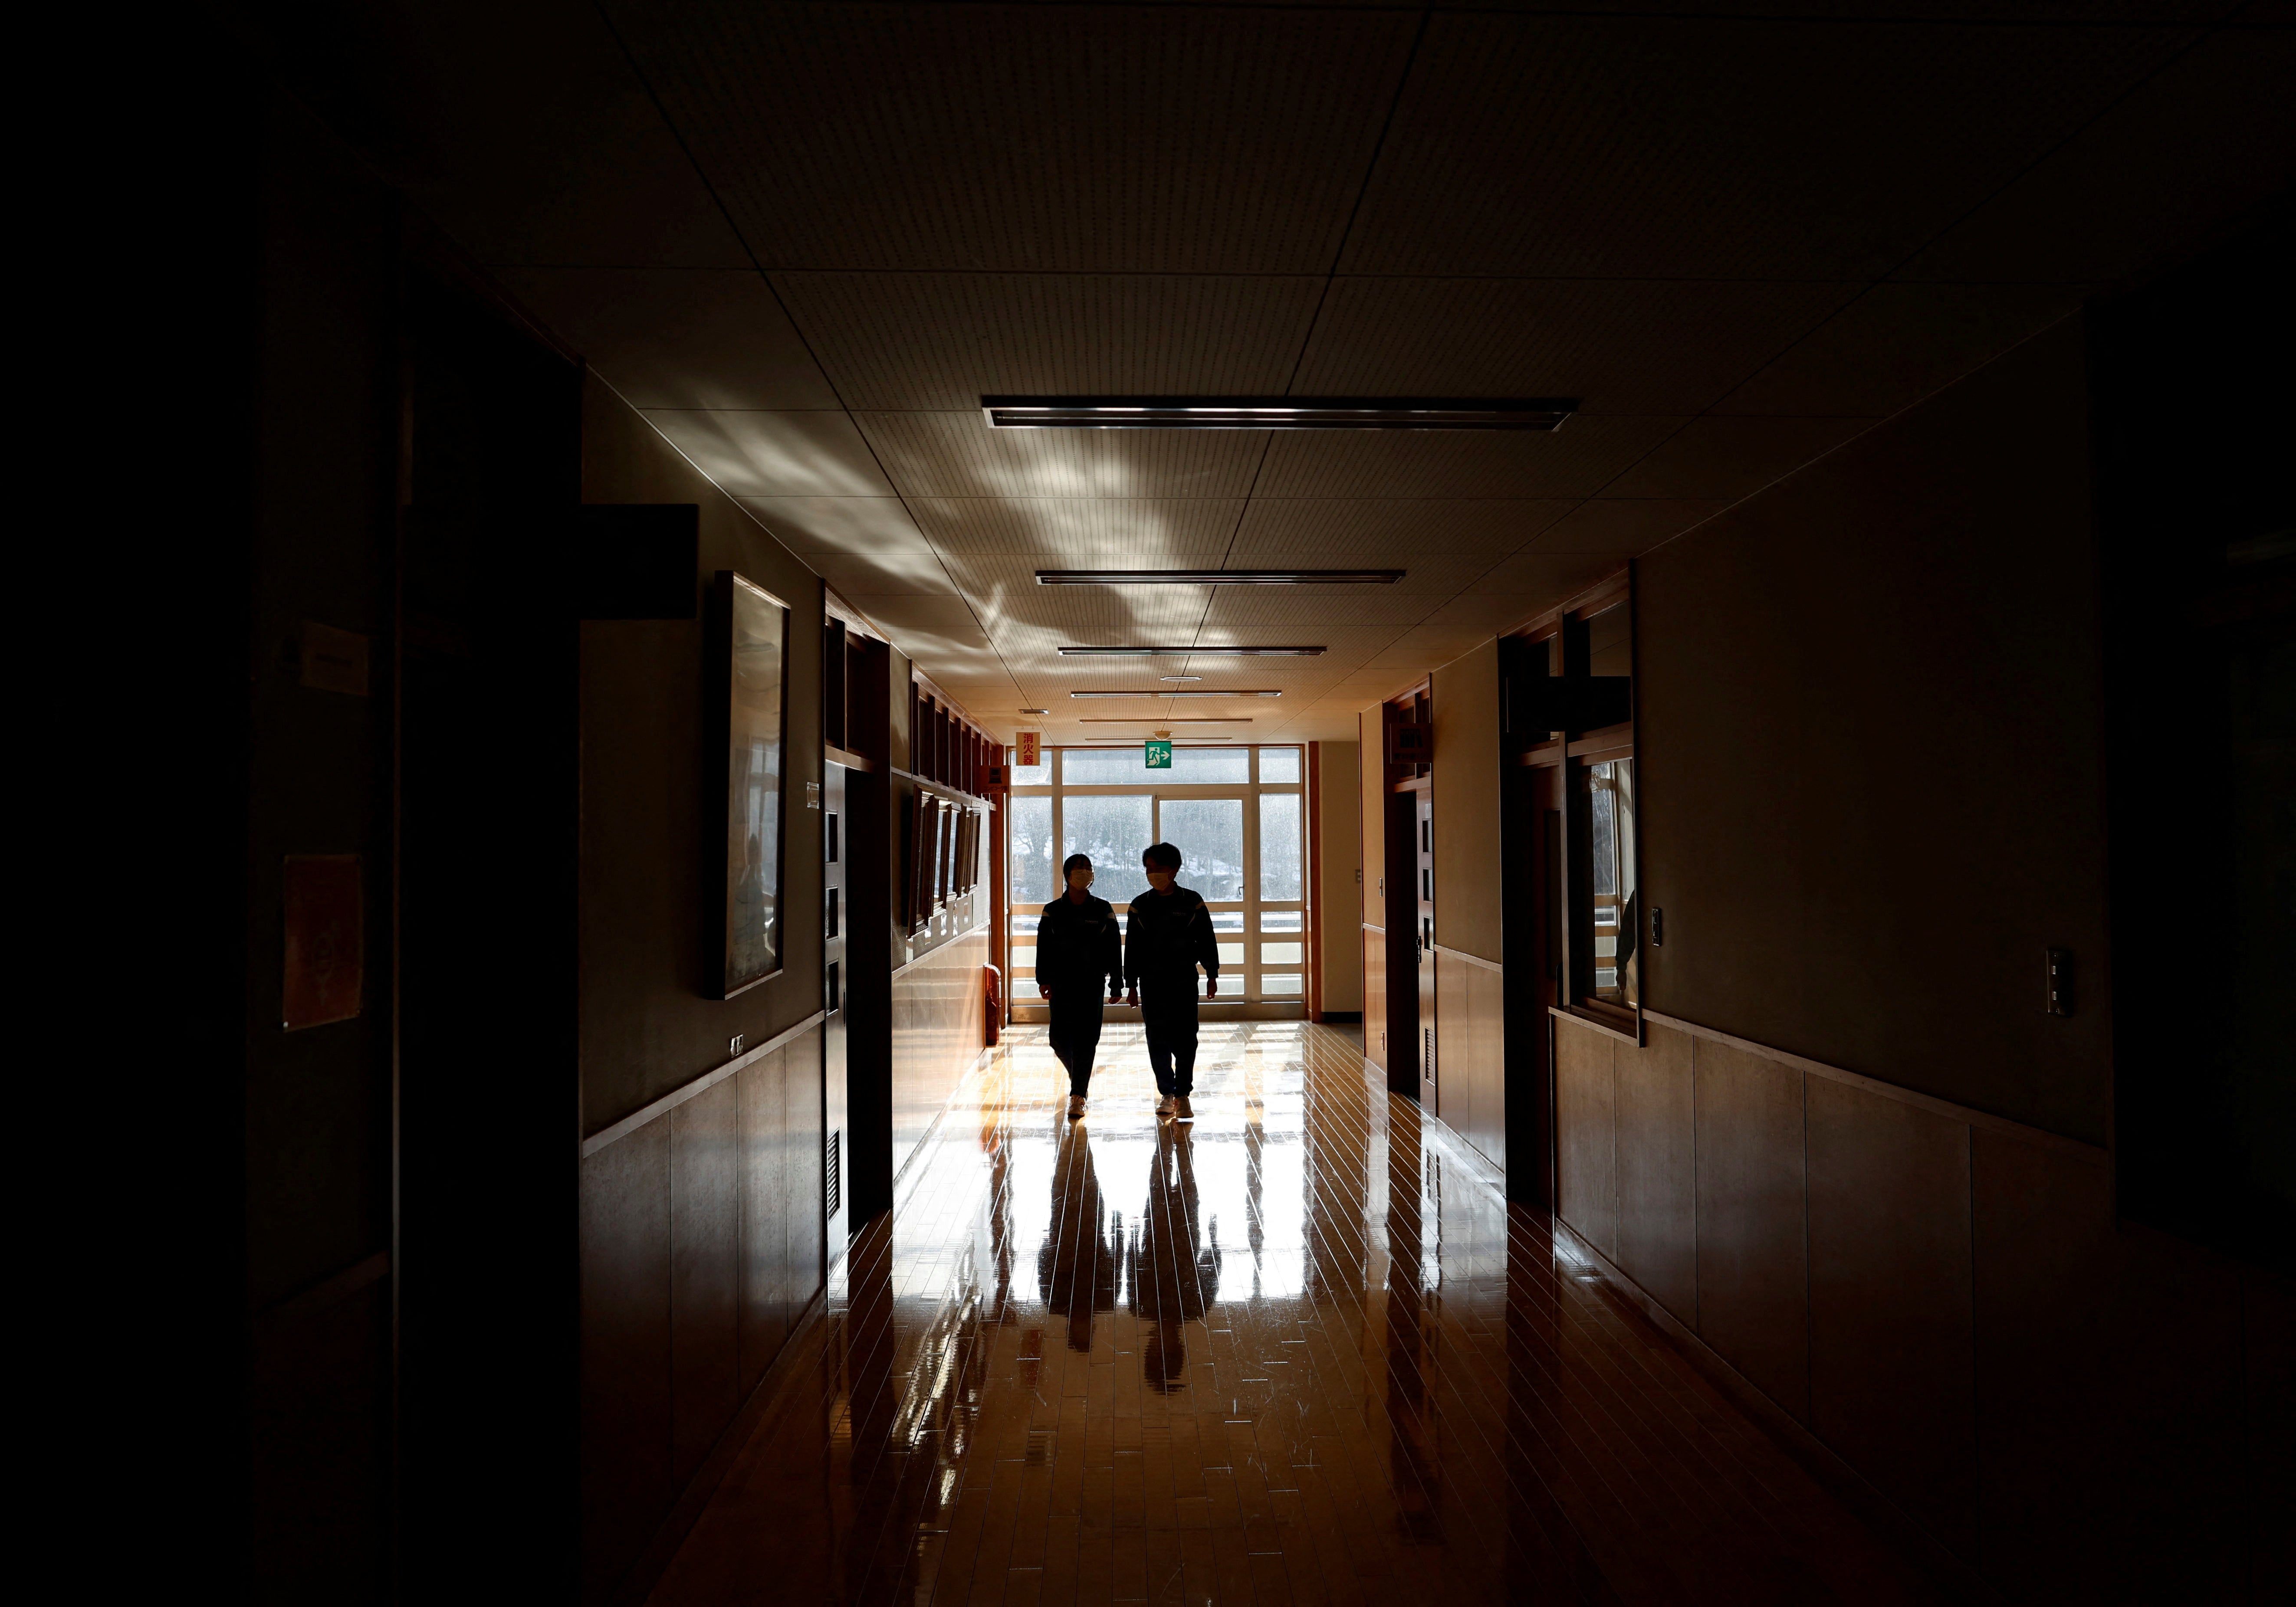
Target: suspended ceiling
{"x": 806, "y": 240}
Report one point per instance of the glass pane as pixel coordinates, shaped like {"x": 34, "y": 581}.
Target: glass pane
{"x": 1283, "y": 920}
{"x": 1038, "y": 774}
{"x": 1209, "y": 832}
{"x": 1112, "y": 830}
{"x": 1282, "y": 954}
{"x": 1272, "y": 986}
{"x": 1126, "y": 767}
{"x": 1227, "y": 920}
{"x": 1032, "y": 867}
{"x": 1615, "y": 916}
{"x": 1279, "y": 763}
{"x": 1230, "y": 957}
{"x": 1279, "y": 844}
{"x": 1024, "y": 984}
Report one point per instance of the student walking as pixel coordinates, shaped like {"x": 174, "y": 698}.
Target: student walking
{"x": 1167, "y": 936}
{"x": 1076, "y": 950}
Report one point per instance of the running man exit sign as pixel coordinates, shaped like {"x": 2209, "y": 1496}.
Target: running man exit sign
{"x": 1158, "y": 754}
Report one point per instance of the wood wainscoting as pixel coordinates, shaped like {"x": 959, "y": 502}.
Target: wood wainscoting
{"x": 701, "y": 1253}
{"x": 1942, "y": 1299}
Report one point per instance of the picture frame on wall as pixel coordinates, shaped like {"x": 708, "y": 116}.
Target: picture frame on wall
{"x": 747, "y": 688}
{"x": 924, "y": 823}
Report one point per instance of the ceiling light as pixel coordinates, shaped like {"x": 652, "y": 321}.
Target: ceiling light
{"x": 1218, "y": 577}
{"x": 1189, "y": 693}
{"x": 1036, "y": 711}
{"x": 1276, "y": 412}
{"x": 1174, "y": 679}
{"x": 1183, "y": 653}
{"x": 1162, "y": 719}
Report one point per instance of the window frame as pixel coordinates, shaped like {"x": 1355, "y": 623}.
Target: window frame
{"x": 1253, "y": 909}
{"x": 1574, "y": 753}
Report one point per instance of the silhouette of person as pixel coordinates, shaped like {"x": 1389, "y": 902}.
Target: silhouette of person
{"x": 1076, "y": 1269}
{"x": 1173, "y": 1268}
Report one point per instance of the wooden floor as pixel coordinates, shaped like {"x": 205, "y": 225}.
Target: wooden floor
{"x": 1302, "y": 1352}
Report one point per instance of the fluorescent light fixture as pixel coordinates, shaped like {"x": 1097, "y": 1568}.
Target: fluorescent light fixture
{"x": 1160, "y": 719}
{"x": 1276, "y": 412}
{"x": 1185, "y": 652}
{"x": 1218, "y": 577}
{"x": 1036, "y": 711}
{"x": 1178, "y": 680}
{"x": 1189, "y": 693}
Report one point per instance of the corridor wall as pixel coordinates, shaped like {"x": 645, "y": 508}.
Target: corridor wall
{"x": 1339, "y": 878}
{"x": 1855, "y": 1158}
{"x": 702, "y": 1172}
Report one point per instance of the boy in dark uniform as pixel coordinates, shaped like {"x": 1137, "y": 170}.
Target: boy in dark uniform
{"x": 1076, "y": 950}
{"x": 1167, "y": 936}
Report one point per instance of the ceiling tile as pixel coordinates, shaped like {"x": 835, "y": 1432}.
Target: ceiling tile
{"x": 866, "y": 577}
{"x": 520, "y": 127}
{"x": 1135, "y": 529}
{"x": 1643, "y": 346}
{"x": 957, "y": 454}
{"x": 2210, "y": 138}
{"x": 1624, "y": 528}
{"x": 1896, "y": 343}
{"x": 1574, "y": 461}
{"x": 1038, "y": 138}
{"x": 1323, "y": 532}
{"x": 906, "y": 341}
{"x": 774, "y": 453}
{"x": 1644, "y": 147}
{"x": 839, "y": 524}
{"x": 678, "y": 337}
{"x": 1729, "y": 456}
{"x": 1546, "y": 579}
{"x": 1302, "y": 607}
{"x": 940, "y": 634}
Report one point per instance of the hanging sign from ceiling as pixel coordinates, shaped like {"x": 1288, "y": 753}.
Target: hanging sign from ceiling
{"x": 1158, "y": 754}
{"x": 1027, "y": 748}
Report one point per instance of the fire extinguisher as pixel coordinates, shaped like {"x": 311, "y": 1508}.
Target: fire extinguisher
{"x": 993, "y": 1018}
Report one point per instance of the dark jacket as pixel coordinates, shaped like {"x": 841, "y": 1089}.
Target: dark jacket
{"x": 1078, "y": 945}
{"x": 1167, "y": 935}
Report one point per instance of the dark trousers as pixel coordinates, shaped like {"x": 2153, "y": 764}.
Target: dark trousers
{"x": 1076, "y": 1031}
{"x": 1168, "y": 1011}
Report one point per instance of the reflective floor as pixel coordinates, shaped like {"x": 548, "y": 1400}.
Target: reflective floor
{"x": 1302, "y": 1351}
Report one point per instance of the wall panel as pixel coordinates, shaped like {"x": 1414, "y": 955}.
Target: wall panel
{"x": 1470, "y": 1001}
{"x": 1470, "y": 904}
{"x": 626, "y": 1348}
{"x": 765, "y": 1227}
{"x": 1586, "y": 1138}
{"x": 938, "y": 1035}
{"x": 705, "y": 1270}
{"x": 1890, "y": 1357}
{"x": 1374, "y": 1005}
{"x": 1753, "y": 1269}
{"x": 1339, "y": 879}
{"x": 1657, "y": 1169}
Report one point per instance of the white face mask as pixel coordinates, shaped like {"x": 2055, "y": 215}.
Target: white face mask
{"x": 1079, "y": 881}
{"x": 1159, "y": 880}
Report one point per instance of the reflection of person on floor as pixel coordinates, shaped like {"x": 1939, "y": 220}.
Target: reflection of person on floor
{"x": 1077, "y": 951}
{"x": 1076, "y": 1269}
{"x": 1174, "y": 1268}
{"x": 1166, "y": 937}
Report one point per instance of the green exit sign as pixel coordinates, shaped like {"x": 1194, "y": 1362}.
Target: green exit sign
{"x": 1158, "y": 754}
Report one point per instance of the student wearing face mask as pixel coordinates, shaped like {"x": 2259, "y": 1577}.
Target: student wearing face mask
{"x": 1076, "y": 950}
{"x": 1167, "y": 936}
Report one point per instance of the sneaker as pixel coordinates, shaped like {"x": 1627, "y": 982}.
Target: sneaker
{"x": 1187, "y": 1111}
{"x": 1166, "y": 1106}
{"x": 1076, "y": 1107}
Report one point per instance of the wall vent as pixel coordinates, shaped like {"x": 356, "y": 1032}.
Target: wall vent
{"x": 833, "y": 1172}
